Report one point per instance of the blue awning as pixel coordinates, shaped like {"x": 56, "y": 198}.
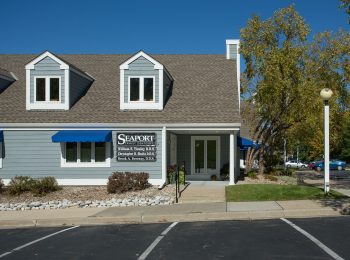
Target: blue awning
{"x": 245, "y": 143}
{"x": 82, "y": 136}
{"x": 1, "y": 136}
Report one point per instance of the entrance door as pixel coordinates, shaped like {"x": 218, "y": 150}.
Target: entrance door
{"x": 205, "y": 154}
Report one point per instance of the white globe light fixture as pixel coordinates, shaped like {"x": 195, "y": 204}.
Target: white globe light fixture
{"x": 326, "y": 94}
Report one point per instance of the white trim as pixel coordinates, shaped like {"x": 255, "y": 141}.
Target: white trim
{"x": 238, "y": 64}
{"x": 218, "y": 148}
{"x": 27, "y": 89}
{"x": 48, "y": 89}
{"x": 164, "y": 159}
{"x": 142, "y": 89}
{"x": 66, "y": 89}
{"x": 161, "y": 90}
{"x": 91, "y": 164}
{"x": 232, "y": 163}
{"x": 173, "y": 127}
{"x": 230, "y": 41}
{"x": 31, "y": 64}
{"x": 125, "y": 65}
{"x": 122, "y": 86}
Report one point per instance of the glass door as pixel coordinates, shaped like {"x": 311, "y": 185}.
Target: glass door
{"x": 206, "y": 155}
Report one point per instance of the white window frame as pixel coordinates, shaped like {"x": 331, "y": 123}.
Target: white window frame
{"x": 142, "y": 89}
{"x": 47, "y": 89}
{"x": 218, "y": 148}
{"x": 78, "y": 164}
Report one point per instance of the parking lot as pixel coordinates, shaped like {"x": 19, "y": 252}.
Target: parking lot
{"x": 261, "y": 239}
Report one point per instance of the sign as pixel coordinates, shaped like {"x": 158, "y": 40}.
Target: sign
{"x": 136, "y": 147}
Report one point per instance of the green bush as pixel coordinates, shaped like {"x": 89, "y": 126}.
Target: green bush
{"x": 182, "y": 175}
{"x": 171, "y": 170}
{"x": 224, "y": 172}
{"x": 45, "y": 185}
{"x": 20, "y": 184}
{"x": 271, "y": 178}
{"x": 252, "y": 175}
{"x": 120, "y": 182}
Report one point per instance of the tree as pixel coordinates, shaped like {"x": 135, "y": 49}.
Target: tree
{"x": 345, "y": 153}
{"x": 346, "y": 5}
{"x": 283, "y": 77}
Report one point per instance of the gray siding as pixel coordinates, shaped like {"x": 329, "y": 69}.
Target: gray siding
{"x": 32, "y": 153}
{"x": 47, "y": 67}
{"x": 77, "y": 86}
{"x": 184, "y": 150}
{"x": 141, "y": 67}
{"x": 4, "y": 84}
{"x": 166, "y": 86}
{"x": 232, "y": 51}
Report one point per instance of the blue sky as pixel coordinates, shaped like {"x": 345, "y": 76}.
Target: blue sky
{"x": 156, "y": 26}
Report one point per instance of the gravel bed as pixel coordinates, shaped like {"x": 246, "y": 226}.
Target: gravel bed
{"x": 87, "y": 197}
{"x": 282, "y": 180}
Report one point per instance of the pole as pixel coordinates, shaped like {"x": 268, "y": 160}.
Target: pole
{"x": 326, "y": 147}
{"x": 285, "y": 152}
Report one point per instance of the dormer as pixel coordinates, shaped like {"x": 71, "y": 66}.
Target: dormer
{"x": 52, "y": 83}
{"x": 6, "y": 79}
{"x": 144, "y": 83}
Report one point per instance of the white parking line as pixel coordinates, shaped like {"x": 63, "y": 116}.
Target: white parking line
{"x": 314, "y": 239}
{"x": 156, "y": 241}
{"x": 36, "y": 241}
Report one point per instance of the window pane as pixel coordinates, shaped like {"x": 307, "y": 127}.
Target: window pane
{"x": 40, "y": 89}
{"x": 71, "y": 152}
{"x": 211, "y": 154}
{"x": 199, "y": 156}
{"x": 54, "y": 89}
{"x": 148, "y": 89}
{"x": 134, "y": 89}
{"x": 100, "y": 152}
{"x": 85, "y": 152}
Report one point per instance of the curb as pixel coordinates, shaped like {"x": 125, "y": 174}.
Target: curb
{"x": 191, "y": 217}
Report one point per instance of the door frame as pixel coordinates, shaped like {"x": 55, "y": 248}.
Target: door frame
{"x": 218, "y": 145}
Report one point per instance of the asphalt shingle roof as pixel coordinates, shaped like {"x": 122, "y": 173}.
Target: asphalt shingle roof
{"x": 204, "y": 91}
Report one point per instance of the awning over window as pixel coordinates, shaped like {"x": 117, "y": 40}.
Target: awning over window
{"x": 1, "y": 136}
{"x": 82, "y": 136}
{"x": 245, "y": 143}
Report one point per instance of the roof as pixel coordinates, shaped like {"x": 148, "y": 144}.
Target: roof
{"x": 204, "y": 91}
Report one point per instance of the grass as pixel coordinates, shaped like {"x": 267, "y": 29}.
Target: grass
{"x": 264, "y": 192}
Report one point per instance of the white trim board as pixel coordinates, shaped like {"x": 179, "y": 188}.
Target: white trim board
{"x": 63, "y": 65}
{"x": 125, "y": 65}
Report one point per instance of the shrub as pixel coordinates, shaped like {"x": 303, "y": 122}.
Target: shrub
{"x": 252, "y": 175}
{"x": 45, "y": 185}
{"x": 182, "y": 175}
{"x": 20, "y": 184}
{"x": 224, "y": 172}
{"x": 120, "y": 182}
{"x": 271, "y": 178}
{"x": 171, "y": 170}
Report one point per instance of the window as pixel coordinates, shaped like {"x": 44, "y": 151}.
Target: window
{"x": 85, "y": 154}
{"x": 47, "y": 89}
{"x": 141, "y": 89}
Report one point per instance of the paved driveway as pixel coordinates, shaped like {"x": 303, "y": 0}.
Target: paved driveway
{"x": 320, "y": 238}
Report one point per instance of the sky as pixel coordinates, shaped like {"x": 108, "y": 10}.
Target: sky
{"x": 155, "y": 26}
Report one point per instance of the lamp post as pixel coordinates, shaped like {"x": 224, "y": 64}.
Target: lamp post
{"x": 326, "y": 94}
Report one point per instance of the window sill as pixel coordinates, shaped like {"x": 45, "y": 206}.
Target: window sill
{"x": 47, "y": 105}
{"x": 86, "y": 165}
{"x": 141, "y": 105}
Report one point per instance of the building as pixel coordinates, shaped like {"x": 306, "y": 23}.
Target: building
{"x": 81, "y": 117}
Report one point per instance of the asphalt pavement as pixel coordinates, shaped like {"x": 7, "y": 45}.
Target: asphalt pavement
{"x": 315, "y": 238}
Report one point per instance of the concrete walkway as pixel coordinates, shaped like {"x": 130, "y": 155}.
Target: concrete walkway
{"x": 203, "y": 191}
{"x": 208, "y": 211}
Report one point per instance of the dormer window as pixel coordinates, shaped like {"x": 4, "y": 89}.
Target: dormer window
{"x": 141, "y": 89}
{"x": 47, "y": 89}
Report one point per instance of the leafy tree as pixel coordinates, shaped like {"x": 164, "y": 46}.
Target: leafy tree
{"x": 345, "y": 153}
{"x": 282, "y": 80}
{"x": 346, "y": 5}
